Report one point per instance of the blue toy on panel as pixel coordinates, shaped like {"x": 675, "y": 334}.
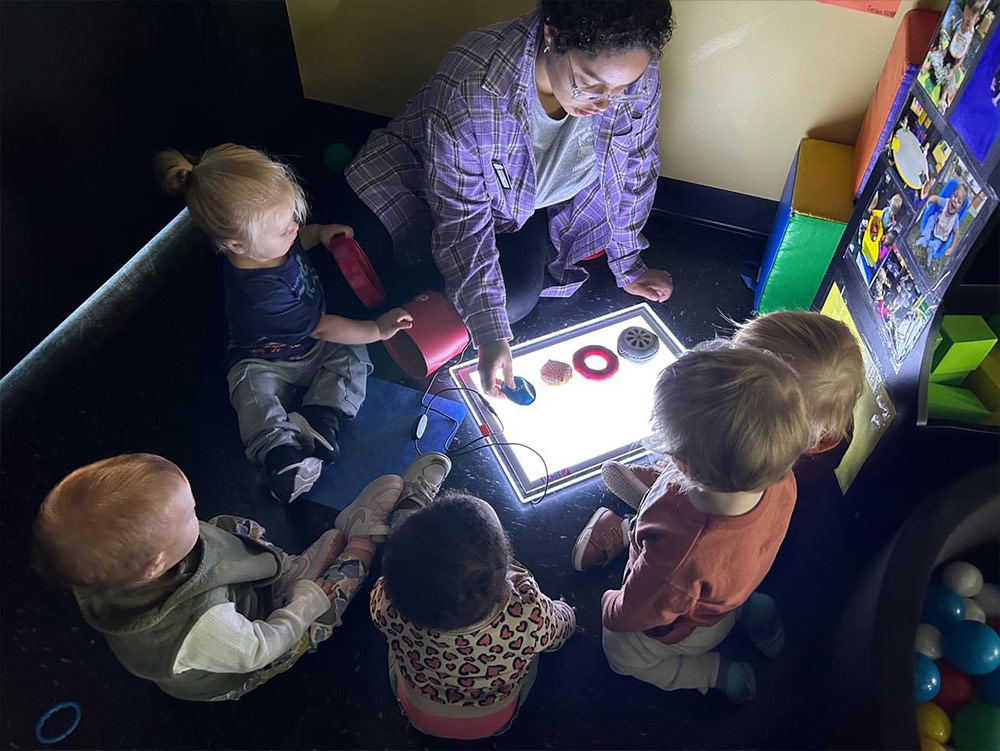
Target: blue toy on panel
{"x": 523, "y": 392}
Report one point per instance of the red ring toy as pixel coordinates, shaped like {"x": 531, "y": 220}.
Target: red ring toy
{"x": 357, "y": 270}
{"x": 595, "y": 350}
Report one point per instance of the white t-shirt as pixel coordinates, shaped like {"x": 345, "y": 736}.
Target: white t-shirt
{"x": 564, "y": 155}
{"x": 945, "y": 223}
{"x": 223, "y": 641}
{"x": 959, "y": 46}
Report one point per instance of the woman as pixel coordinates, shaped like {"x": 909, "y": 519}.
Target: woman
{"x": 556, "y": 110}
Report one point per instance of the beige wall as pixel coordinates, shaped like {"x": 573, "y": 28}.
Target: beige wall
{"x": 743, "y": 80}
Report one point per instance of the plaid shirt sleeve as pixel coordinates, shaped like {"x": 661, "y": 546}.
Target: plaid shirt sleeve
{"x": 642, "y": 168}
{"x": 463, "y": 243}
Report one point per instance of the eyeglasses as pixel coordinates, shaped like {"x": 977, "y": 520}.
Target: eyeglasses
{"x": 584, "y": 95}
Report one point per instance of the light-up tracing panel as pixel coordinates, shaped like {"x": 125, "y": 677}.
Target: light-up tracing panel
{"x": 578, "y": 425}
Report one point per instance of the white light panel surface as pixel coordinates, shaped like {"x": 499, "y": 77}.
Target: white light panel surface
{"x": 583, "y": 423}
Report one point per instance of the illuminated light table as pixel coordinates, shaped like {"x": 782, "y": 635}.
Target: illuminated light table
{"x": 579, "y": 425}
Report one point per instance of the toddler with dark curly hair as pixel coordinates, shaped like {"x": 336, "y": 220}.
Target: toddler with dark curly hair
{"x": 464, "y": 621}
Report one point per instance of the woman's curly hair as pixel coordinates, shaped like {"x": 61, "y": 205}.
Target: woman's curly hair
{"x": 599, "y": 26}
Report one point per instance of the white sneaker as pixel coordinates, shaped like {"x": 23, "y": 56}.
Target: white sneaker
{"x": 424, "y": 477}
{"x": 628, "y": 483}
{"x": 368, "y": 515}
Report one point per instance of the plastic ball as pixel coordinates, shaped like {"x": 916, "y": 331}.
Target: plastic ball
{"x": 962, "y": 578}
{"x": 972, "y": 647}
{"x": 928, "y": 642}
{"x": 988, "y": 688}
{"x": 956, "y": 689}
{"x": 942, "y": 607}
{"x": 972, "y": 610}
{"x": 929, "y": 744}
{"x": 993, "y": 621}
{"x": 989, "y": 599}
{"x": 926, "y": 678}
{"x": 933, "y": 723}
{"x": 336, "y": 157}
{"x": 977, "y": 727}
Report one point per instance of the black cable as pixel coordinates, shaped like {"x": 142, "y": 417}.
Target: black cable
{"x": 545, "y": 465}
{"x": 468, "y": 447}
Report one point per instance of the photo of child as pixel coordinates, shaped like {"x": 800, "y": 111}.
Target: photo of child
{"x": 960, "y": 35}
{"x": 917, "y": 151}
{"x": 885, "y": 217}
{"x": 976, "y": 116}
{"x": 901, "y": 309}
{"x": 936, "y": 234}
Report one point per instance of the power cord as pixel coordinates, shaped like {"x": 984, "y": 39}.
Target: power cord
{"x": 488, "y": 435}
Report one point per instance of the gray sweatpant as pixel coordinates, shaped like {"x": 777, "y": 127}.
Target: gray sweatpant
{"x": 334, "y": 375}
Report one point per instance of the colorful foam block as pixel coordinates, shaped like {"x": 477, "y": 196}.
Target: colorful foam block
{"x": 984, "y": 381}
{"x": 965, "y": 342}
{"x": 994, "y": 323}
{"x": 956, "y": 378}
{"x": 913, "y": 37}
{"x": 954, "y": 403}
{"x": 815, "y": 206}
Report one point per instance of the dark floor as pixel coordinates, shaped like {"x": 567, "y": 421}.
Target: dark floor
{"x": 158, "y": 385}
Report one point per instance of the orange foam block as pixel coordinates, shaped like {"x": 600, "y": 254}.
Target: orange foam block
{"x": 913, "y": 37}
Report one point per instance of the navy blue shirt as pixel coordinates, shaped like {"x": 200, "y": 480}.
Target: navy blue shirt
{"x": 272, "y": 312}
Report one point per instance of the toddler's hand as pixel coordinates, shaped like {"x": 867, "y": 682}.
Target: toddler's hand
{"x": 392, "y": 322}
{"x": 329, "y": 231}
{"x": 329, "y": 587}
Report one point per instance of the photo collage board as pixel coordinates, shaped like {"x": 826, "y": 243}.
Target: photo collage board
{"x": 929, "y": 197}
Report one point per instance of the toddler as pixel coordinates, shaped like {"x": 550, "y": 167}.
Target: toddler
{"x": 732, "y": 421}
{"x": 825, "y": 356}
{"x": 464, "y": 622}
{"x": 206, "y": 610}
{"x": 935, "y": 236}
{"x": 280, "y": 336}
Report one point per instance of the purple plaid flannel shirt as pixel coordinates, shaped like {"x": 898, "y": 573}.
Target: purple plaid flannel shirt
{"x": 435, "y": 176}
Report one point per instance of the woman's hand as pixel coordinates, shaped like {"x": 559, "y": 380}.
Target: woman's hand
{"x": 655, "y": 285}
{"x": 493, "y": 357}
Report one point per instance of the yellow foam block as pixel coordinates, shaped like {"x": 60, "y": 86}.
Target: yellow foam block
{"x": 984, "y": 381}
{"x": 823, "y": 180}
{"x": 991, "y": 365}
{"x": 993, "y": 419}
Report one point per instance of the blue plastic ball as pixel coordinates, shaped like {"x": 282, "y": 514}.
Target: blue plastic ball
{"x": 942, "y": 607}
{"x": 971, "y": 647}
{"x": 926, "y": 678}
{"x": 988, "y": 688}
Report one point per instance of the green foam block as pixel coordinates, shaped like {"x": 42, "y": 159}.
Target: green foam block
{"x": 994, "y": 323}
{"x": 949, "y": 379}
{"x": 801, "y": 261}
{"x": 984, "y": 381}
{"x": 953, "y": 403}
{"x": 965, "y": 342}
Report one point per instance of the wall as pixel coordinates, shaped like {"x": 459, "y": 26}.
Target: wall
{"x": 743, "y": 80}
{"x": 90, "y": 91}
